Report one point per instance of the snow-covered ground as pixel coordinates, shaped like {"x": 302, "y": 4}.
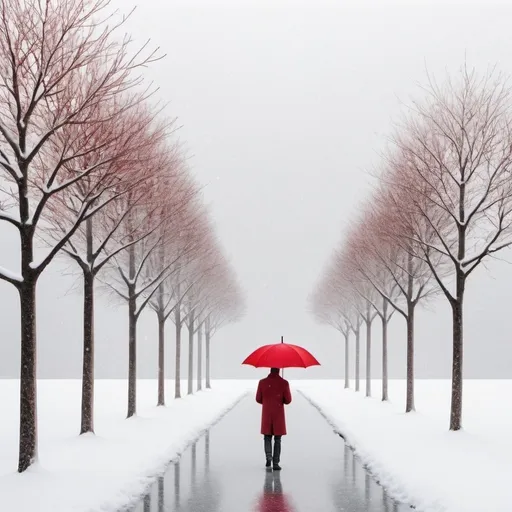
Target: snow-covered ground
{"x": 106, "y": 471}
{"x": 414, "y": 456}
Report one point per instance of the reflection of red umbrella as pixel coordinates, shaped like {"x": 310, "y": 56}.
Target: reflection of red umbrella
{"x": 273, "y": 499}
{"x": 274, "y": 503}
{"x": 281, "y": 355}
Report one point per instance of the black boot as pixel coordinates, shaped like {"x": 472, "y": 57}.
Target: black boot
{"x": 276, "y": 467}
{"x": 269, "y": 463}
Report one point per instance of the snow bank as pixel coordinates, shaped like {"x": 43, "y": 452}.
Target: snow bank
{"x": 109, "y": 470}
{"x": 414, "y": 455}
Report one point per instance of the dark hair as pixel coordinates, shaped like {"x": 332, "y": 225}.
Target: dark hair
{"x": 274, "y": 370}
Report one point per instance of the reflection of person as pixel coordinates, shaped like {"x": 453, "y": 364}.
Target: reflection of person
{"x": 273, "y": 499}
{"x": 273, "y": 393}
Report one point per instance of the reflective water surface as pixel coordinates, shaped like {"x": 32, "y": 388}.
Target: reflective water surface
{"x": 224, "y": 470}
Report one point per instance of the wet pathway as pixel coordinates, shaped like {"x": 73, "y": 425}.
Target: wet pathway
{"x": 224, "y": 470}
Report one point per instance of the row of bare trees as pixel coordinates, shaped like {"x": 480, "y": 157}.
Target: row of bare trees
{"x": 90, "y": 171}
{"x": 441, "y": 207}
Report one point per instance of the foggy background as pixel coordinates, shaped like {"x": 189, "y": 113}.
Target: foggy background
{"x": 284, "y": 107}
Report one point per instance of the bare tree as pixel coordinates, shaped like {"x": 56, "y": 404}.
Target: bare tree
{"x": 330, "y": 305}
{"x": 401, "y": 278}
{"x": 190, "y": 308}
{"x": 200, "y": 325}
{"x": 187, "y": 283}
{"x": 177, "y": 318}
{"x": 221, "y": 299}
{"x": 205, "y": 265}
{"x": 361, "y": 247}
{"x": 453, "y": 161}
{"x": 226, "y": 305}
{"x": 207, "y": 334}
{"x": 60, "y": 63}
{"x": 211, "y": 285}
{"x": 347, "y": 262}
{"x": 355, "y": 321}
{"x": 131, "y": 276}
{"x": 168, "y": 298}
{"x": 368, "y": 315}
{"x": 96, "y": 241}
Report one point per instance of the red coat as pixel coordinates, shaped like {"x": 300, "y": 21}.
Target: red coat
{"x": 273, "y": 393}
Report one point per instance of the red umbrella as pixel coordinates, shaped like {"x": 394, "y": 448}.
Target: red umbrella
{"x": 281, "y": 355}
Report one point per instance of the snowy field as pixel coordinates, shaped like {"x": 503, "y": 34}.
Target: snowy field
{"x": 414, "y": 456}
{"x": 109, "y": 470}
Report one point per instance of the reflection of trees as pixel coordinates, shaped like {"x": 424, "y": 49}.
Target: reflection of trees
{"x": 177, "y": 485}
{"x": 346, "y": 458}
{"x": 204, "y": 498}
{"x": 207, "y": 451}
{"x": 161, "y": 494}
{"x": 147, "y": 502}
{"x": 354, "y": 466}
{"x": 194, "y": 465}
{"x": 204, "y": 489}
{"x": 353, "y": 490}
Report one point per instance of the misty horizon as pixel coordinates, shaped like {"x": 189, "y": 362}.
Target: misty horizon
{"x": 286, "y": 160}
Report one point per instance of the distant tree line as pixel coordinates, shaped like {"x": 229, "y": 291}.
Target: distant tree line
{"x": 90, "y": 171}
{"x": 441, "y": 207}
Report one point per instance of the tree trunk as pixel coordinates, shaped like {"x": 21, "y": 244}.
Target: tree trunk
{"x": 368, "y": 357}
{"x": 191, "y": 353}
{"x": 161, "y": 332}
{"x": 200, "y": 358}
{"x": 177, "y": 371}
{"x": 347, "y": 384}
{"x": 161, "y": 359}
{"x": 358, "y": 334}
{"x": 457, "y": 362}
{"x": 194, "y": 465}
{"x": 27, "y": 454}
{"x": 207, "y": 335}
{"x": 132, "y": 354}
{"x": 147, "y": 503}
{"x": 177, "y": 484}
{"x": 457, "y": 312}
{"x": 409, "y": 405}
{"x": 28, "y": 381}
{"x": 161, "y": 494}
{"x": 411, "y": 305}
{"x": 132, "y": 337}
{"x": 207, "y": 452}
{"x": 87, "y": 420}
{"x": 385, "y": 355}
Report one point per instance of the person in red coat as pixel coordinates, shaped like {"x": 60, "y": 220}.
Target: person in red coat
{"x": 273, "y": 393}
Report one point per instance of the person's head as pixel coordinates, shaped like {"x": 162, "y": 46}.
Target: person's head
{"x": 274, "y": 370}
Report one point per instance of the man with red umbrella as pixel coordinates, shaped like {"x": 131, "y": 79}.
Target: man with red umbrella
{"x": 273, "y": 394}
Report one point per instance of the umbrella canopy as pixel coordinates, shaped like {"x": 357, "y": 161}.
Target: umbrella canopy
{"x": 281, "y": 355}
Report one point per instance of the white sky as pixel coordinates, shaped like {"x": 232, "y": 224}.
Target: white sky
{"x": 285, "y": 106}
